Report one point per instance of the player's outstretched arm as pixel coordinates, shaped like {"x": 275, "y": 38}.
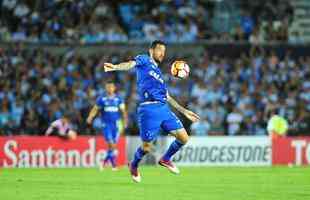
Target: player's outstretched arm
{"x": 92, "y": 114}
{"x": 49, "y": 130}
{"x": 122, "y": 66}
{"x": 189, "y": 114}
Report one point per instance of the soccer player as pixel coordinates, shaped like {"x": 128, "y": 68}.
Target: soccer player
{"x": 62, "y": 128}
{"x": 153, "y": 111}
{"x": 111, "y": 108}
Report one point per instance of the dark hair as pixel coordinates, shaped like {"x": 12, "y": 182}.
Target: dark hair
{"x": 157, "y": 42}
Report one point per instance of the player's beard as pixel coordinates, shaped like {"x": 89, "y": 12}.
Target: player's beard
{"x": 157, "y": 60}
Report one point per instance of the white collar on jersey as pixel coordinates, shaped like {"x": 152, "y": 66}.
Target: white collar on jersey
{"x": 111, "y": 97}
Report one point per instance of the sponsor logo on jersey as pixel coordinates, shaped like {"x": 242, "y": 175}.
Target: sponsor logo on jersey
{"x": 111, "y": 109}
{"x": 156, "y": 76}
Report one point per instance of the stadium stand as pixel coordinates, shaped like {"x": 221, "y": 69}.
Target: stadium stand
{"x": 59, "y": 21}
{"x": 234, "y": 95}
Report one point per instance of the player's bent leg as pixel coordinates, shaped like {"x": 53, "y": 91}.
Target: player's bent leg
{"x": 181, "y": 139}
{"x": 181, "y": 135}
{"x": 116, "y": 136}
{"x": 133, "y": 166}
{"x": 109, "y": 138}
{"x": 141, "y": 151}
{"x": 107, "y": 158}
{"x": 113, "y": 155}
{"x": 149, "y": 122}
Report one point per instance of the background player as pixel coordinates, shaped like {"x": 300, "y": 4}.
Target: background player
{"x": 111, "y": 108}
{"x": 153, "y": 110}
{"x": 62, "y": 128}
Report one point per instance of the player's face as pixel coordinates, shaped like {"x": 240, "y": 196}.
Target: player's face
{"x": 158, "y": 53}
{"x": 110, "y": 88}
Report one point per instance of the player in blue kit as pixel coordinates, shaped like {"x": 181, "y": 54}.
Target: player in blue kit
{"x": 112, "y": 109}
{"x": 153, "y": 111}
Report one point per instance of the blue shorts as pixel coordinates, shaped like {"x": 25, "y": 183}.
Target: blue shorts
{"x": 110, "y": 132}
{"x": 153, "y": 117}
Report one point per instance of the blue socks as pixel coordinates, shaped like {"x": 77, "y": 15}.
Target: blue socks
{"x": 113, "y": 160}
{"x": 108, "y": 156}
{"x": 111, "y": 157}
{"x": 138, "y": 157}
{"x": 173, "y": 148}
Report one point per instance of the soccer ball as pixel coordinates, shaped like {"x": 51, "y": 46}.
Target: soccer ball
{"x": 180, "y": 69}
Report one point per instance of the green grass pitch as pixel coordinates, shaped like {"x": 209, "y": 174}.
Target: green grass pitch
{"x": 205, "y": 183}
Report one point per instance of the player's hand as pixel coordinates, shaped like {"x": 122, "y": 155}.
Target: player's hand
{"x": 89, "y": 121}
{"x": 108, "y": 67}
{"x": 191, "y": 116}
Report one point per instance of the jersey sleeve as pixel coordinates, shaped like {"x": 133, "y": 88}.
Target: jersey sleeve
{"x": 99, "y": 102}
{"x": 140, "y": 60}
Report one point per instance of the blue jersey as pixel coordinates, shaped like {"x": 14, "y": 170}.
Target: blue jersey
{"x": 150, "y": 81}
{"x": 110, "y": 108}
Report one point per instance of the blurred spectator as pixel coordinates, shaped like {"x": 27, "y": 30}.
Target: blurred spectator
{"x": 200, "y": 128}
{"x": 256, "y": 38}
{"x": 295, "y": 38}
{"x": 117, "y": 21}
{"x": 234, "y": 120}
{"x": 234, "y": 96}
{"x": 5, "y": 118}
{"x": 217, "y": 128}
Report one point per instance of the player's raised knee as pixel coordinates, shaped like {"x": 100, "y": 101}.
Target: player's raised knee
{"x": 182, "y": 136}
{"x": 185, "y": 139}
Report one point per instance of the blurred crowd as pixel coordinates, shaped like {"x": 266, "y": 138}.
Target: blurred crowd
{"x": 232, "y": 96}
{"x": 238, "y": 96}
{"x": 93, "y": 21}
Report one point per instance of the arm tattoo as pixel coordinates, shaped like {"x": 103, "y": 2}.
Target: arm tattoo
{"x": 125, "y": 65}
{"x": 175, "y": 104}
